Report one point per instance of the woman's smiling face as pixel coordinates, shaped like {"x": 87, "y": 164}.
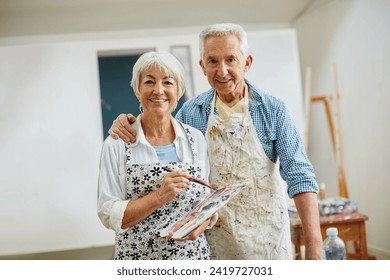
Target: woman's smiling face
{"x": 158, "y": 92}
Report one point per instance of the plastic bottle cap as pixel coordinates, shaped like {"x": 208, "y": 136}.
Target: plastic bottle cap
{"x": 332, "y": 231}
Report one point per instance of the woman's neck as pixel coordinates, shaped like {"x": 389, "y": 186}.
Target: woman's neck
{"x": 158, "y": 130}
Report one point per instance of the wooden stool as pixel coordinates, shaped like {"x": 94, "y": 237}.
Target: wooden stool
{"x": 351, "y": 228}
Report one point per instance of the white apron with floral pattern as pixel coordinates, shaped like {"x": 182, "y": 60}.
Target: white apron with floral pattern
{"x": 142, "y": 241}
{"x": 255, "y": 223}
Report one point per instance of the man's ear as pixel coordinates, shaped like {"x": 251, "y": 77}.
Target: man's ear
{"x": 202, "y": 66}
{"x": 248, "y": 62}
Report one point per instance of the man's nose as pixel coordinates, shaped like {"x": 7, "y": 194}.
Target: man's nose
{"x": 222, "y": 69}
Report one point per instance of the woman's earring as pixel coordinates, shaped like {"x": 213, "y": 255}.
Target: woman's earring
{"x": 140, "y": 108}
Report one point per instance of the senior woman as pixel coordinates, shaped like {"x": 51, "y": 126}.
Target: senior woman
{"x": 136, "y": 197}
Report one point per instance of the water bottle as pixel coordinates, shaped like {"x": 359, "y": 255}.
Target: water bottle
{"x": 333, "y": 246}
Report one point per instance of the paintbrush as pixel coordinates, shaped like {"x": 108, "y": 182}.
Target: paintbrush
{"x": 196, "y": 180}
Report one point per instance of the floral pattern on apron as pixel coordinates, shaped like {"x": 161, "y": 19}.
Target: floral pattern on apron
{"x": 255, "y": 223}
{"x": 142, "y": 241}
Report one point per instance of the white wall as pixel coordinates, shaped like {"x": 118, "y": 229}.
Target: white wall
{"x": 355, "y": 35}
{"x": 276, "y": 52}
{"x": 51, "y": 128}
{"x": 50, "y": 131}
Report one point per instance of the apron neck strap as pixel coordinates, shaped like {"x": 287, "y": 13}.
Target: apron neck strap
{"x": 191, "y": 141}
{"x": 246, "y": 101}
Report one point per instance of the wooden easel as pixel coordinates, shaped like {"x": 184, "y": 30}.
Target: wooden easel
{"x": 334, "y": 126}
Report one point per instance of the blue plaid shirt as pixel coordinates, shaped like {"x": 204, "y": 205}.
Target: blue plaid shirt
{"x": 275, "y": 129}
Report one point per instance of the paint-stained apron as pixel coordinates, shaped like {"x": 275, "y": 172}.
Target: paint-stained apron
{"x": 255, "y": 223}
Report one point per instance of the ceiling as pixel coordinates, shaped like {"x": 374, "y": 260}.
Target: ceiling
{"x": 38, "y": 17}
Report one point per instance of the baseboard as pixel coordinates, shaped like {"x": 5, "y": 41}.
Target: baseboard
{"x": 95, "y": 253}
{"x": 378, "y": 253}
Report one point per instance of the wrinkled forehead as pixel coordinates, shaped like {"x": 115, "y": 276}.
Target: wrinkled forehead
{"x": 222, "y": 46}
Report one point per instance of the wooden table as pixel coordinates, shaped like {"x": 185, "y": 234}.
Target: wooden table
{"x": 351, "y": 228}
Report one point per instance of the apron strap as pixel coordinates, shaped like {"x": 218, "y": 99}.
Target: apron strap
{"x": 128, "y": 153}
{"x": 191, "y": 140}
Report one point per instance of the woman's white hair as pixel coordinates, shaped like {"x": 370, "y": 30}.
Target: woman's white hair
{"x": 223, "y": 29}
{"x": 165, "y": 61}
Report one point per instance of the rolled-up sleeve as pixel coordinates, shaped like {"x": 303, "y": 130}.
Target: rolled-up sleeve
{"x": 112, "y": 200}
{"x": 295, "y": 168}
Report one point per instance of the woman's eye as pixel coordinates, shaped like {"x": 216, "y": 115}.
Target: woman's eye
{"x": 148, "y": 82}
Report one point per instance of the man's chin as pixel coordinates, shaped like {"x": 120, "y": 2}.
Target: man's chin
{"x": 225, "y": 90}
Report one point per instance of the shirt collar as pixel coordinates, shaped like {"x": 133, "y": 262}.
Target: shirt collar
{"x": 256, "y": 95}
{"x": 141, "y": 139}
{"x": 179, "y": 131}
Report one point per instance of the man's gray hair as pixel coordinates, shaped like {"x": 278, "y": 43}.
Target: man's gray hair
{"x": 223, "y": 29}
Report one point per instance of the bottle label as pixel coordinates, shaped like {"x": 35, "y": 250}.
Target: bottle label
{"x": 338, "y": 254}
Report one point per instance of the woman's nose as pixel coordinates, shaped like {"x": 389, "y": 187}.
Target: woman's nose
{"x": 158, "y": 89}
